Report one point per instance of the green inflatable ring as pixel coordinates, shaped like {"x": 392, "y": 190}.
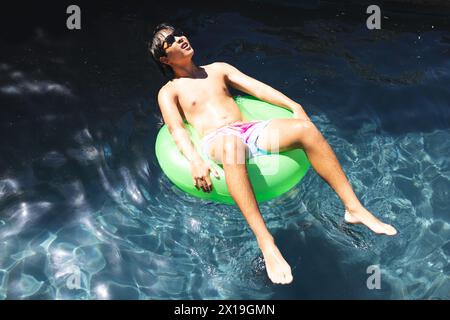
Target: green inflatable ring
{"x": 271, "y": 175}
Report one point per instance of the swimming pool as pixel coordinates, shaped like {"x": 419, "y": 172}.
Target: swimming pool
{"x": 86, "y": 212}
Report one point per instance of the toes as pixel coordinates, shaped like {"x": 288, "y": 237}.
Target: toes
{"x": 273, "y": 278}
{"x": 281, "y": 278}
{"x": 388, "y": 230}
{"x": 286, "y": 279}
{"x": 391, "y": 231}
{"x": 289, "y": 278}
{"x": 276, "y": 278}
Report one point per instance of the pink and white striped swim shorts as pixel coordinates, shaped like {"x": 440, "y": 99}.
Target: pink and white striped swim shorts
{"x": 248, "y": 132}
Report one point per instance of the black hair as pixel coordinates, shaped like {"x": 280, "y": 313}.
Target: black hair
{"x": 155, "y": 46}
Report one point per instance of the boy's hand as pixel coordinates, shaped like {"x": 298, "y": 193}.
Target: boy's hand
{"x": 200, "y": 175}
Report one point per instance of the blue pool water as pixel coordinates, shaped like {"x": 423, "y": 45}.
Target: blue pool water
{"x": 86, "y": 213}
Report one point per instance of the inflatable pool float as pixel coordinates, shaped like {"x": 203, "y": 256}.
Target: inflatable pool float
{"x": 271, "y": 175}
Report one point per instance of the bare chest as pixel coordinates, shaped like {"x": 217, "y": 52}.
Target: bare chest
{"x": 199, "y": 93}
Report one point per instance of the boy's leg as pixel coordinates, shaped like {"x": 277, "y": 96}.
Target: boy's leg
{"x": 230, "y": 151}
{"x": 295, "y": 133}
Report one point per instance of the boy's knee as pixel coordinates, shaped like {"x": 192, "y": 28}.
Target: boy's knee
{"x": 307, "y": 131}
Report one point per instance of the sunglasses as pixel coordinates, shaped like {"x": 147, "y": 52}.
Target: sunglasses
{"x": 170, "y": 39}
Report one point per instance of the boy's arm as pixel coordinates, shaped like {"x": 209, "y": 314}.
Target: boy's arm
{"x": 200, "y": 169}
{"x": 172, "y": 117}
{"x": 260, "y": 90}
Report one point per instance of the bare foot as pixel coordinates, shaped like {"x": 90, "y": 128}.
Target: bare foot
{"x": 361, "y": 215}
{"x": 277, "y": 268}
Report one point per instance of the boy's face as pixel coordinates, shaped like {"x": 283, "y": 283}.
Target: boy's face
{"x": 176, "y": 46}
